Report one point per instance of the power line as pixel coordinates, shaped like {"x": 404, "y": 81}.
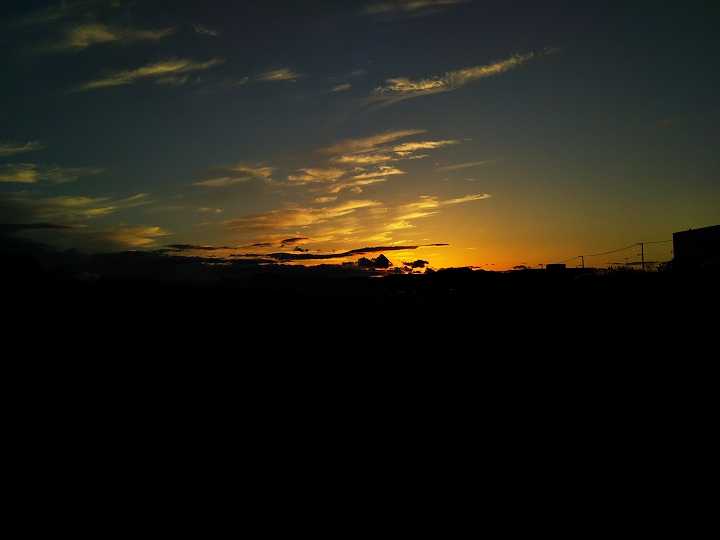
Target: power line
{"x": 613, "y": 251}
{"x": 568, "y": 260}
{"x": 641, "y": 245}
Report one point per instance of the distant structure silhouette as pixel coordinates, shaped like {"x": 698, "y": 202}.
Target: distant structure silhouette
{"x": 697, "y": 247}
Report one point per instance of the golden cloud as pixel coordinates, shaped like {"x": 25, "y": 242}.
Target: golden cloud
{"x": 308, "y": 176}
{"x": 421, "y": 145}
{"x": 400, "y": 88}
{"x": 86, "y": 35}
{"x": 324, "y": 200}
{"x": 235, "y": 174}
{"x": 356, "y": 186}
{"x": 256, "y": 171}
{"x": 466, "y": 198}
{"x": 157, "y": 70}
{"x": 363, "y": 159}
{"x": 404, "y": 151}
{"x": 135, "y": 237}
{"x": 431, "y": 202}
{"x": 382, "y": 171}
{"x": 283, "y": 74}
{"x": 294, "y": 216}
{"x": 353, "y": 146}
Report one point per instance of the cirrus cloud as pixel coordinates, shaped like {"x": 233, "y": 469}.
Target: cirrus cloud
{"x": 296, "y": 216}
{"x": 309, "y": 176}
{"x": 462, "y": 166}
{"x": 30, "y": 173}
{"x": 12, "y": 148}
{"x": 282, "y": 74}
{"x": 400, "y": 88}
{"x": 410, "y": 7}
{"x": 351, "y": 146}
{"x": 157, "y": 70}
{"x": 221, "y": 177}
{"x": 65, "y": 208}
{"x": 86, "y": 35}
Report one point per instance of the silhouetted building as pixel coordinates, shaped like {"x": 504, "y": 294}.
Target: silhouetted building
{"x": 556, "y": 267}
{"x": 697, "y": 247}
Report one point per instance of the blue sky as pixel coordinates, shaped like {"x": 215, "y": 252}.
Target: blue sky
{"x": 513, "y": 131}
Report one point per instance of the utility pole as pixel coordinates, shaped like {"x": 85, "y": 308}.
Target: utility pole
{"x": 582, "y": 260}
{"x": 642, "y": 254}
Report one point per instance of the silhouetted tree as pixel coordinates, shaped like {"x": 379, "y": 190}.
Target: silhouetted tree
{"x": 415, "y": 264}
{"x": 380, "y": 262}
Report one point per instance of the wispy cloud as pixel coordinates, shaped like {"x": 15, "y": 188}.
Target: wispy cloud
{"x": 11, "y": 148}
{"x": 356, "y": 220}
{"x": 409, "y": 7}
{"x": 64, "y": 175}
{"x": 465, "y": 199}
{"x": 462, "y": 166}
{"x": 357, "y": 163}
{"x": 420, "y": 208}
{"x": 382, "y": 171}
{"x": 282, "y": 74}
{"x": 221, "y": 177}
{"x": 30, "y": 173}
{"x": 404, "y": 151}
{"x": 354, "y": 179}
{"x": 357, "y": 185}
{"x": 86, "y": 35}
{"x": 66, "y": 209}
{"x": 426, "y": 206}
{"x": 401, "y": 88}
{"x": 369, "y": 143}
{"x": 205, "y": 31}
{"x": 222, "y": 182}
{"x": 20, "y": 173}
{"x": 410, "y": 147}
{"x": 363, "y": 159}
{"x": 104, "y": 238}
{"x": 134, "y": 237}
{"x": 295, "y": 216}
{"x": 341, "y": 88}
{"x": 317, "y": 175}
{"x": 166, "y": 68}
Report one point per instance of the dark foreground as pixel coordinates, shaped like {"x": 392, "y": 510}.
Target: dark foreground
{"x": 521, "y": 358}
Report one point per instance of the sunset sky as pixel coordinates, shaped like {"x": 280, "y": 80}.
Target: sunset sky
{"x": 515, "y": 132}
